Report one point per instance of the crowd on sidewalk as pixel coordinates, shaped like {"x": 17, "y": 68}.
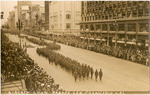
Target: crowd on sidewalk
{"x": 17, "y": 65}
{"x": 128, "y": 52}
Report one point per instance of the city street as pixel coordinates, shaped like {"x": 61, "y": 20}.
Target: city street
{"x": 119, "y": 75}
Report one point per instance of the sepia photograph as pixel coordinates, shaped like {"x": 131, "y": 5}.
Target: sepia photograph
{"x": 75, "y": 47}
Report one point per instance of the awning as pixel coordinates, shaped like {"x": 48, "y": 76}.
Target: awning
{"x": 91, "y": 38}
{"x": 133, "y": 43}
{"x": 98, "y": 39}
{"x": 103, "y": 39}
{"x": 82, "y": 37}
{"x": 120, "y": 41}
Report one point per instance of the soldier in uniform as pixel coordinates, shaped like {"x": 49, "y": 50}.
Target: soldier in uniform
{"x": 96, "y": 74}
{"x": 92, "y": 71}
{"x": 75, "y": 75}
{"x": 100, "y": 74}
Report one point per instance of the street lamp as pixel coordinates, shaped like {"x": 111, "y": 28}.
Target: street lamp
{"x": 19, "y": 27}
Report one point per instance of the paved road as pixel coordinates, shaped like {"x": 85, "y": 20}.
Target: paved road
{"x": 119, "y": 75}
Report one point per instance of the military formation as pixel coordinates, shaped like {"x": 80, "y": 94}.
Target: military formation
{"x": 51, "y": 46}
{"x": 78, "y": 70}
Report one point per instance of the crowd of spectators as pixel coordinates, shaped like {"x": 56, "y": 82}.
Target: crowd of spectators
{"x": 17, "y": 65}
{"x": 128, "y": 52}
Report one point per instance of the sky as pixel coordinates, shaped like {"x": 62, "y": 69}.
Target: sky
{"x": 8, "y": 6}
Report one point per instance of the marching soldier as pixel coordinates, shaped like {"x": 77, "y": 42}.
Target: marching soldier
{"x": 75, "y": 76}
{"x": 96, "y": 74}
{"x": 92, "y": 71}
{"x": 100, "y": 74}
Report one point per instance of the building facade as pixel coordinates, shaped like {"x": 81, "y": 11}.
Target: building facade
{"x": 116, "y": 22}
{"x": 31, "y": 14}
{"x": 16, "y": 16}
{"x": 47, "y": 14}
{"x": 11, "y": 20}
{"x": 64, "y": 16}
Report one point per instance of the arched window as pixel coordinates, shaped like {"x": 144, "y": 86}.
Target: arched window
{"x": 86, "y": 27}
{"x": 68, "y": 16}
{"x": 81, "y": 27}
{"x": 92, "y": 27}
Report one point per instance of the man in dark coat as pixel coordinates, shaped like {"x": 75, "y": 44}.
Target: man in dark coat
{"x": 92, "y": 71}
{"x": 96, "y": 74}
{"x": 100, "y": 74}
{"x": 75, "y": 75}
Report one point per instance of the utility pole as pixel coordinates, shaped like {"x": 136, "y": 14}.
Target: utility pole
{"x": 19, "y": 27}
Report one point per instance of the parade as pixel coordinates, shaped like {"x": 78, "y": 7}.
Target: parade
{"x": 78, "y": 70}
{"x": 75, "y": 47}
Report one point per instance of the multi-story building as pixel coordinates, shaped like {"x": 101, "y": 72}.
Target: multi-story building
{"x": 16, "y": 16}
{"x": 116, "y": 22}
{"x": 64, "y": 17}
{"x": 11, "y": 20}
{"x": 31, "y": 14}
{"x": 47, "y": 15}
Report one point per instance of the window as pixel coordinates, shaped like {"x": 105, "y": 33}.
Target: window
{"x": 129, "y": 3}
{"x": 144, "y": 27}
{"x": 93, "y": 17}
{"x": 121, "y": 27}
{"x": 123, "y": 14}
{"x": 92, "y": 27}
{"x": 68, "y": 16}
{"x": 134, "y": 13}
{"x": 104, "y": 27}
{"x": 132, "y": 27}
{"x": 124, "y": 4}
{"x": 112, "y": 27}
{"x": 68, "y": 25}
{"x": 134, "y": 3}
{"x": 140, "y": 13}
{"x": 97, "y": 27}
{"x": 88, "y": 18}
{"x": 129, "y": 14}
{"x": 146, "y": 12}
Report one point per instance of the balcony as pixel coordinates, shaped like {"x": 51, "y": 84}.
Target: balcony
{"x": 104, "y": 31}
{"x": 121, "y": 32}
{"x": 112, "y": 32}
{"x": 143, "y": 33}
{"x": 131, "y": 32}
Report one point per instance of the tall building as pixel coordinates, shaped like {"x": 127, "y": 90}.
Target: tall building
{"x": 23, "y": 5}
{"x": 11, "y": 20}
{"x": 31, "y": 13}
{"x": 16, "y": 16}
{"x": 116, "y": 22}
{"x": 64, "y": 16}
{"x": 47, "y": 15}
